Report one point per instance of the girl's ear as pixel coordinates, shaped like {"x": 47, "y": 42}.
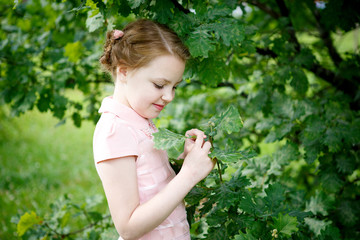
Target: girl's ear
{"x": 121, "y": 73}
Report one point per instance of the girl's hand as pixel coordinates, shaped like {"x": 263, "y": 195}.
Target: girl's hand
{"x": 189, "y": 142}
{"x": 197, "y": 164}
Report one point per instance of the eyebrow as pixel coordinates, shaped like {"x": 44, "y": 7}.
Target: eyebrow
{"x": 167, "y": 81}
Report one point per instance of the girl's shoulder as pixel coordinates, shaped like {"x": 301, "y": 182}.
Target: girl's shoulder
{"x": 114, "y": 138}
{"x": 111, "y": 124}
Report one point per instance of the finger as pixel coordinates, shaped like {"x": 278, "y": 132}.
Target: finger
{"x": 190, "y": 132}
{"x": 199, "y": 141}
{"x": 195, "y": 132}
{"x": 207, "y": 146}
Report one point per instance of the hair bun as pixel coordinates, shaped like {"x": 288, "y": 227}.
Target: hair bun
{"x": 118, "y": 34}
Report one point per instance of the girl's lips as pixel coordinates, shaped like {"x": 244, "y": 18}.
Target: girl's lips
{"x": 159, "y": 107}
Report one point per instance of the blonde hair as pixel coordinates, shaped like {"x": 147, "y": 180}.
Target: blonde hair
{"x": 143, "y": 40}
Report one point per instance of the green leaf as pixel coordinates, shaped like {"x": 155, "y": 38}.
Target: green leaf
{"x": 285, "y": 224}
{"x": 183, "y": 23}
{"x": 315, "y": 225}
{"x": 279, "y": 132}
{"x": 267, "y": 124}
{"x": 258, "y": 100}
{"x": 345, "y": 162}
{"x": 333, "y": 139}
{"x": 215, "y": 217}
{"x": 216, "y": 233}
{"x": 286, "y": 153}
{"x": 95, "y": 216}
{"x": 320, "y": 203}
{"x": 165, "y": 139}
{"x": 275, "y": 195}
{"x": 135, "y": 3}
{"x": 94, "y": 8}
{"x": 228, "y": 30}
{"x": 330, "y": 233}
{"x": 231, "y": 192}
{"x": 200, "y": 44}
{"x": 228, "y": 121}
{"x": 74, "y": 51}
{"x": 212, "y": 71}
{"x": 76, "y": 117}
{"x": 299, "y": 81}
{"x": 348, "y": 213}
{"x": 27, "y": 221}
{"x": 282, "y": 106}
{"x": 330, "y": 180}
{"x": 230, "y": 156}
{"x": 65, "y": 219}
{"x": 195, "y": 195}
{"x": 218, "y": 11}
{"x": 245, "y": 236}
{"x": 170, "y": 141}
{"x": 163, "y": 11}
{"x": 305, "y": 58}
{"x": 60, "y": 103}
{"x": 248, "y": 204}
{"x": 94, "y": 22}
{"x": 16, "y": 3}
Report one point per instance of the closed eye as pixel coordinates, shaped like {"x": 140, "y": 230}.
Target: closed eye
{"x": 158, "y": 86}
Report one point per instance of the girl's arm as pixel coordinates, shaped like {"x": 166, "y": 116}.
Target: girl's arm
{"x": 133, "y": 220}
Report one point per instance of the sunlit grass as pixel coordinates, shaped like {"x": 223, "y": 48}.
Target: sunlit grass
{"x": 40, "y": 163}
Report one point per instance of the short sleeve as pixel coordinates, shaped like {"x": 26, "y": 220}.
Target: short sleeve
{"x": 113, "y": 138}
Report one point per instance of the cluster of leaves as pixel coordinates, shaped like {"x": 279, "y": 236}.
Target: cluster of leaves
{"x": 42, "y": 44}
{"x": 228, "y": 208}
{"x": 277, "y": 63}
{"x": 67, "y": 220}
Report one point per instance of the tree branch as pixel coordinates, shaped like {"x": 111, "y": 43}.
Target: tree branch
{"x": 266, "y": 52}
{"x": 180, "y": 7}
{"x": 349, "y": 87}
{"x": 325, "y": 36}
{"x": 345, "y": 85}
{"x": 264, "y": 8}
{"x": 285, "y": 13}
{"x": 84, "y": 228}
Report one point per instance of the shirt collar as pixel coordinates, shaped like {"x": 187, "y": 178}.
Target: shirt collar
{"x": 125, "y": 113}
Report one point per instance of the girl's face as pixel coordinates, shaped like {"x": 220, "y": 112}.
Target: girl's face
{"x": 148, "y": 89}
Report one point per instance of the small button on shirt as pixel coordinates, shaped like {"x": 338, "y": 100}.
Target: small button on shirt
{"x": 121, "y": 132}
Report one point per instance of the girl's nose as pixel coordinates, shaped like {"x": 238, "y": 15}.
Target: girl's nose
{"x": 168, "y": 95}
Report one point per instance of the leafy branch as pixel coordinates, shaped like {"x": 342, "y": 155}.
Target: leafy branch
{"x": 348, "y": 86}
{"x": 58, "y": 221}
{"x": 228, "y": 121}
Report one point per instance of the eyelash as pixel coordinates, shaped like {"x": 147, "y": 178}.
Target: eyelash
{"x": 158, "y": 86}
{"x": 161, "y": 86}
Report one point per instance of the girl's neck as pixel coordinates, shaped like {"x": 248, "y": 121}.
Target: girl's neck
{"x": 120, "y": 94}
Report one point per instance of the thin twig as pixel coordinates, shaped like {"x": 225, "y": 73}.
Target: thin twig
{"x": 219, "y": 170}
{"x": 86, "y": 227}
{"x": 217, "y": 161}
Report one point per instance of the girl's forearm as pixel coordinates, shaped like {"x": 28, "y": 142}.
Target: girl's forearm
{"x": 152, "y": 213}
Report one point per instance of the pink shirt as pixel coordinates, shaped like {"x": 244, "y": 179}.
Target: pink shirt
{"x": 122, "y": 132}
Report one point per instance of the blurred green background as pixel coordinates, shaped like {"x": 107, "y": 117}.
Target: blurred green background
{"x": 40, "y": 162}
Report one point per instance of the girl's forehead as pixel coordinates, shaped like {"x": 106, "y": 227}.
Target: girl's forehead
{"x": 164, "y": 66}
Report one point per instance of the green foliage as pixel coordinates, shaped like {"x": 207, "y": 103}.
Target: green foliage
{"x": 228, "y": 121}
{"x": 68, "y": 220}
{"x": 292, "y": 165}
{"x": 172, "y": 142}
{"x": 285, "y": 225}
{"x": 27, "y": 221}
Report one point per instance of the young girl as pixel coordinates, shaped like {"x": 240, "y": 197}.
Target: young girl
{"x": 145, "y": 196}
